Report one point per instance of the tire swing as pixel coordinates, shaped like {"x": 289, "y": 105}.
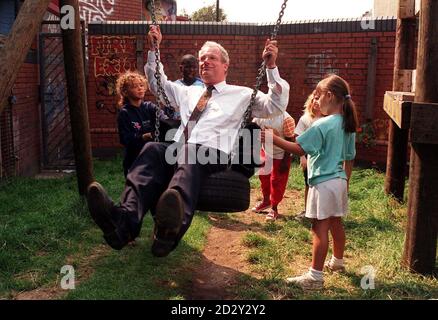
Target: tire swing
{"x": 228, "y": 190}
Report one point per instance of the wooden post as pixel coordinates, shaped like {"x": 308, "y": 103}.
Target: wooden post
{"x": 77, "y": 97}
{"x": 18, "y": 43}
{"x": 398, "y": 138}
{"x": 421, "y": 234}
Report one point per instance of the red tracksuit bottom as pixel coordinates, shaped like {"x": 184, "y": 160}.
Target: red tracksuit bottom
{"x": 274, "y": 184}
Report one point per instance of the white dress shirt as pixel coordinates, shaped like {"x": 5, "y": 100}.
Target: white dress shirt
{"x": 220, "y": 122}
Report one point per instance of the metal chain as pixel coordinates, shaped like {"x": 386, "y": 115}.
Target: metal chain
{"x": 160, "y": 90}
{"x": 262, "y": 69}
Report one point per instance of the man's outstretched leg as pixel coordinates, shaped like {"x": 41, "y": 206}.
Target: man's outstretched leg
{"x": 107, "y": 216}
{"x": 148, "y": 177}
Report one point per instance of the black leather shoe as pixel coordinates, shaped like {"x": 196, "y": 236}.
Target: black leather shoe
{"x": 168, "y": 220}
{"x": 101, "y": 207}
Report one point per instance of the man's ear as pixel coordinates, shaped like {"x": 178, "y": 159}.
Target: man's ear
{"x": 226, "y": 67}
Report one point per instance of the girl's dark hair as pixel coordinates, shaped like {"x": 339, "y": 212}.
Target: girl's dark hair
{"x": 340, "y": 88}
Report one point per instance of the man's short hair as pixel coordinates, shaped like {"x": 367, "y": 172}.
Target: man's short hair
{"x": 212, "y": 44}
{"x": 188, "y": 57}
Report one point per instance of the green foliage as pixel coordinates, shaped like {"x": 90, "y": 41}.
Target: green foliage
{"x": 208, "y": 14}
{"x": 366, "y": 135}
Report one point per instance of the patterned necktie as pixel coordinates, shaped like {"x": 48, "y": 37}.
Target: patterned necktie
{"x": 196, "y": 114}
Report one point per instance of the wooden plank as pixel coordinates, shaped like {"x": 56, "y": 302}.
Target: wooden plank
{"x": 424, "y": 123}
{"x": 17, "y": 44}
{"x": 406, "y": 9}
{"x": 404, "y": 80}
{"x": 404, "y": 58}
{"x": 414, "y": 80}
{"x": 398, "y": 107}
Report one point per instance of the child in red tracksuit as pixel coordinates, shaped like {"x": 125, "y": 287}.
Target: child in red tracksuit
{"x": 274, "y": 183}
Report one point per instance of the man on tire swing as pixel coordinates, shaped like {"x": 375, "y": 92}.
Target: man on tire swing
{"x": 170, "y": 190}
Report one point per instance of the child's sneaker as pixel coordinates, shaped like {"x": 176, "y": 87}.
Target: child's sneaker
{"x": 261, "y": 206}
{"x": 334, "y": 268}
{"x": 272, "y": 215}
{"x": 300, "y": 216}
{"x": 306, "y": 282}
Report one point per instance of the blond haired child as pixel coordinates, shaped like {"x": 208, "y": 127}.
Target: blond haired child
{"x": 312, "y": 112}
{"x": 274, "y": 183}
{"x": 136, "y": 117}
{"x": 330, "y": 145}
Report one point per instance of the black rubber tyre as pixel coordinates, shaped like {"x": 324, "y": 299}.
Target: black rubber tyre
{"x": 225, "y": 191}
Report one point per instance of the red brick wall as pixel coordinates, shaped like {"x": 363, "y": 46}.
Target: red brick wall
{"x": 26, "y": 121}
{"x": 304, "y": 60}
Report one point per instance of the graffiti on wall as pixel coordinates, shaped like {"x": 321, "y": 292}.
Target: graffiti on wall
{"x": 96, "y": 10}
{"x": 319, "y": 65}
{"x": 111, "y": 56}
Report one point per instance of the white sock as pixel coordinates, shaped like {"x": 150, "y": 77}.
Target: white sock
{"x": 336, "y": 262}
{"x": 316, "y": 275}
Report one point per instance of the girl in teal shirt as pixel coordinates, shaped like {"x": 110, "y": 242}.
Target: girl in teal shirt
{"x": 330, "y": 146}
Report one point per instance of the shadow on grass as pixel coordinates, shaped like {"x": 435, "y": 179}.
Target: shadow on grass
{"x": 371, "y": 225}
{"x": 134, "y": 273}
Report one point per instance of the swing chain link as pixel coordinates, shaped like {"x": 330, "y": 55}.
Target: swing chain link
{"x": 161, "y": 94}
{"x": 262, "y": 70}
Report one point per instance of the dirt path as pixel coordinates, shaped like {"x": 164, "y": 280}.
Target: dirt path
{"x": 224, "y": 256}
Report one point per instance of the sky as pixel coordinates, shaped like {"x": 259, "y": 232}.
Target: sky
{"x": 263, "y": 11}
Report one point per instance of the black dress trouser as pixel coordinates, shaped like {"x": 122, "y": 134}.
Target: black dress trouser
{"x": 150, "y": 175}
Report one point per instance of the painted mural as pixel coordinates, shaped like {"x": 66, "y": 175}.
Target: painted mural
{"x": 111, "y": 56}
{"x": 96, "y": 10}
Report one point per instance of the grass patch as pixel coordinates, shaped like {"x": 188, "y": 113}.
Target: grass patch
{"x": 133, "y": 273}
{"x": 375, "y": 231}
{"x": 44, "y": 225}
{"x": 254, "y": 240}
{"x": 41, "y": 223}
